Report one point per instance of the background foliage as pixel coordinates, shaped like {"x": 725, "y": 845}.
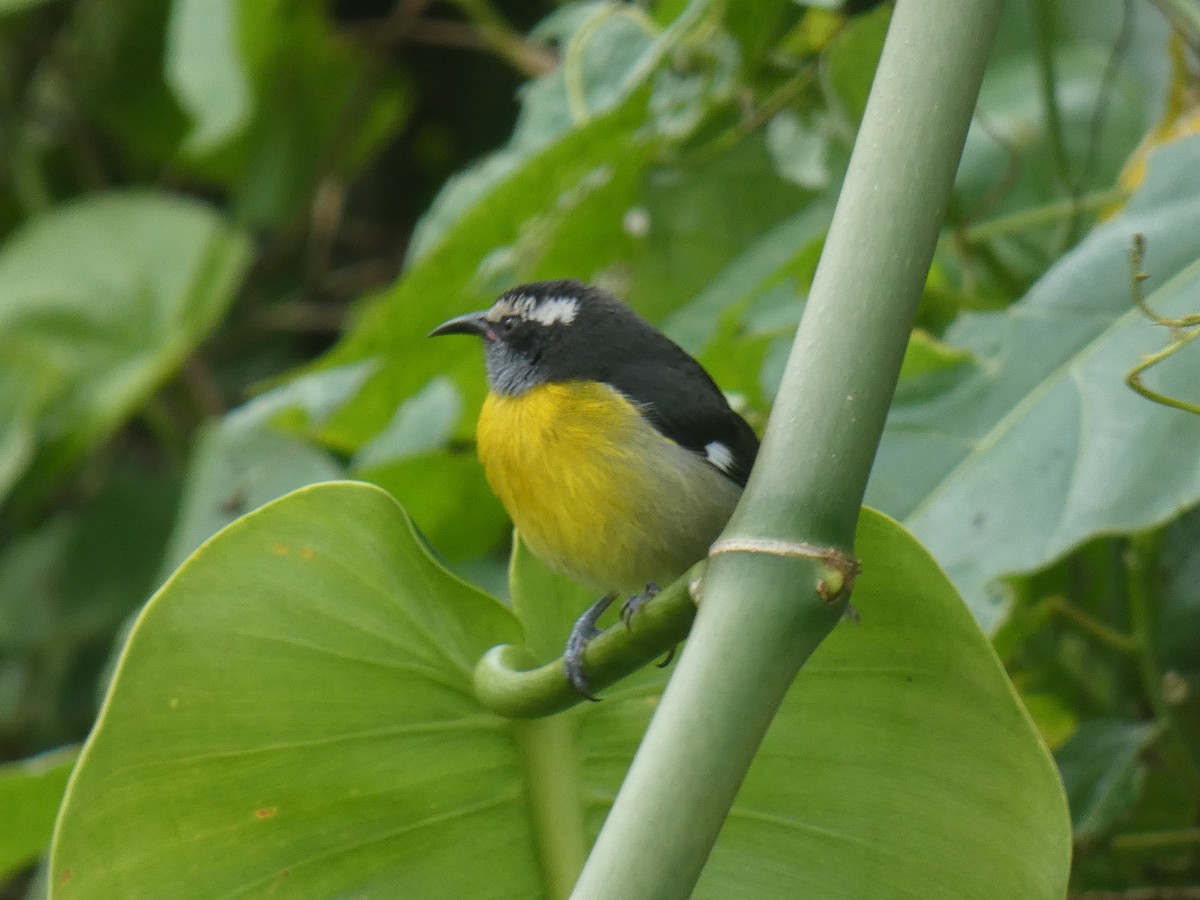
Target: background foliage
{"x": 205, "y": 206}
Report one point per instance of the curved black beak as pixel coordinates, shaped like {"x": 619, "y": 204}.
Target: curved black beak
{"x": 470, "y": 323}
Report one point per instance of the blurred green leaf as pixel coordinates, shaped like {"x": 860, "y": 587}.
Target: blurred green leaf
{"x": 1102, "y": 774}
{"x": 740, "y": 325}
{"x": 28, "y": 387}
{"x": 607, "y": 49}
{"x": 1100, "y": 27}
{"x": 30, "y": 791}
{"x": 1055, "y": 721}
{"x": 926, "y": 355}
{"x": 850, "y": 65}
{"x": 930, "y": 367}
{"x": 14, "y": 6}
{"x": 119, "y": 47}
{"x": 65, "y": 587}
{"x": 258, "y": 453}
{"x": 800, "y": 149}
{"x": 302, "y": 405}
{"x": 1179, "y": 625}
{"x": 758, "y": 24}
{"x": 447, "y": 496}
{"x": 204, "y": 69}
{"x": 1046, "y": 417}
{"x": 274, "y": 725}
{"x": 762, "y": 266}
{"x": 423, "y": 422}
{"x": 1008, "y": 163}
{"x": 27, "y": 569}
{"x": 108, "y": 295}
{"x": 700, "y": 217}
{"x": 261, "y": 98}
{"x": 237, "y": 467}
{"x": 319, "y": 107}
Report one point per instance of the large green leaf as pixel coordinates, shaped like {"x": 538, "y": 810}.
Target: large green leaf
{"x": 1043, "y": 445}
{"x": 293, "y": 714}
{"x": 30, "y": 791}
{"x": 306, "y": 679}
{"x": 100, "y": 300}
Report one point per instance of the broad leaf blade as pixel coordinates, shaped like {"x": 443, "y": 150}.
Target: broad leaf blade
{"x": 106, "y": 296}
{"x": 1046, "y": 417}
{"x": 902, "y": 764}
{"x": 293, "y": 714}
{"x": 30, "y": 791}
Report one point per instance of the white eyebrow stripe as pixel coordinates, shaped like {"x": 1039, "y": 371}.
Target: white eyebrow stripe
{"x": 554, "y": 311}
{"x": 719, "y": 456}
{"x": 546, "y": 311}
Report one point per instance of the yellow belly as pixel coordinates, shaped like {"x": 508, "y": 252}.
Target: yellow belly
{"x": 596, "y": 492}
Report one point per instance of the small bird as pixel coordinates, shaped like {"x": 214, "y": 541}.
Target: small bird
{"x": 615, "y": 454}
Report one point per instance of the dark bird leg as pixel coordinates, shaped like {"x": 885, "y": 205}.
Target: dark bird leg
{"x": 636, "y": 602}
{"x": 584, "y": 630}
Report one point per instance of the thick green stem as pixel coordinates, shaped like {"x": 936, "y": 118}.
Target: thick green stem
{"x": 762, "y": 614}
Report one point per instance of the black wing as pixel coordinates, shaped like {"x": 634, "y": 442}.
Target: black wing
{"x": 680, "y": 399}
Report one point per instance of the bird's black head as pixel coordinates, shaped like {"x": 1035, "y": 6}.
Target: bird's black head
{"x": 553, "y": 331}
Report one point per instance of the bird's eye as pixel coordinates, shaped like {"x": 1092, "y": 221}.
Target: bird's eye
{"x": 509, "y": 324}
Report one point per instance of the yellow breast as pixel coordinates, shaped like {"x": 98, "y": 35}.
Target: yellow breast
{"x": 595, "y": 490}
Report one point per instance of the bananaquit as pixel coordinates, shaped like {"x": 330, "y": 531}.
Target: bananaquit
{"x": 614, "y": 453}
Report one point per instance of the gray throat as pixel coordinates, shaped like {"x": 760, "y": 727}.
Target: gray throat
{"x": 510, "y": 372}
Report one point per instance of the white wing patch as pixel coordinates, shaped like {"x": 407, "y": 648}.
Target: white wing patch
{"x": 546, "y": 311}
{"x": 719, "y": 456}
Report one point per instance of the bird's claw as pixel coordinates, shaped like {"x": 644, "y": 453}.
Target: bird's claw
{"x": 630, "y": 607}
{"x": 581, "y": 634}
{"x": 585, "y": 629}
